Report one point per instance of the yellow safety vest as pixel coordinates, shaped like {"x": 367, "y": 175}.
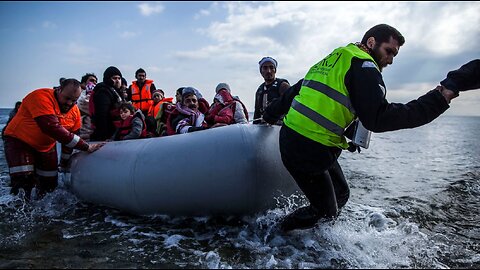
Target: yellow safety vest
{"x": 322, "y": 109}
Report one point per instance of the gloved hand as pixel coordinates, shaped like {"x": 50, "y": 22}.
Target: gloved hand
{"x": 269, "y": 118}
{"x": 349, "y": 131}
{"x": 353, "y": 147}
{"x": 467, "y": 77}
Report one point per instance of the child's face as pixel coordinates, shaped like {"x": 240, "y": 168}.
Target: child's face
{"x": 157, "y": 97}
{"x": 125, "y": 113}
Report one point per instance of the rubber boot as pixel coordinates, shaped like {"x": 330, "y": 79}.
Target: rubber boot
{"x": 46, "y": 185}
{"x": 25, "y": 182}
{"x": 303, "y": 218}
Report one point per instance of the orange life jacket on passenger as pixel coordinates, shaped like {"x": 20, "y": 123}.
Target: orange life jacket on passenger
{"x": 142, "y": 98}
{"x": 153, "y": 112}
{"x": 126, "y": 126}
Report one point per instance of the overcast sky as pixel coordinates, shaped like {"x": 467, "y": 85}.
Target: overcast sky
{"x": 203, "y": 43}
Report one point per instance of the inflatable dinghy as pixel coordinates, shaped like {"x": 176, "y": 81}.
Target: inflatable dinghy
{"x": 234, "y": 170}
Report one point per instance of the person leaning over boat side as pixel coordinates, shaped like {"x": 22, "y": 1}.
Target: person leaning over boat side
{"x": 104, "y": 103}
{"x": 140, "y": 91}
{"x": 345, "y": 85}
{"x": 270, "y": 90}
{"x": 132, "y": 126}
{"x": 46, "y": 116}
{"x": 225, "y": 109}
{"x": 187, "y": 116}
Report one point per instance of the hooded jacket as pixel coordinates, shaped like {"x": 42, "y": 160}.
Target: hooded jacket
{"x": 106, "y": 101}
{"x": 226, "y": 110}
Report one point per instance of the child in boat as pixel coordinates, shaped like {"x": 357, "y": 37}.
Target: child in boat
{"x": 132, "y": 125}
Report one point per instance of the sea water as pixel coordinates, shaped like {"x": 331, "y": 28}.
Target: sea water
{"x": 415, "y": 200}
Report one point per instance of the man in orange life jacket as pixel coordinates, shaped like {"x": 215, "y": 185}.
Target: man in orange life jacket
{"x": 46, "y": 116}
{"x": 141, "y": 91}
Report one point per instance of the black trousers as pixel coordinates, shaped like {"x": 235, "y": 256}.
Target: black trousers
{"x": 316, "y": 171}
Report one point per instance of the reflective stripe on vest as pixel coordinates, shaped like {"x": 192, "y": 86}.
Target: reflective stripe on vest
{"x": 322, "y": 109}
{"x": 331, "y": 93}
{"x": 318, "y": 118}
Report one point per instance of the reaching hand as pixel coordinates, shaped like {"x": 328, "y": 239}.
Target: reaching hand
{"x": 94, "y": 147}
{"x": 447, "y": 93}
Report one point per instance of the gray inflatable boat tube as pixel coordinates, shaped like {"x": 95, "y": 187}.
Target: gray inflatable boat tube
{"x": 232, "y": 170}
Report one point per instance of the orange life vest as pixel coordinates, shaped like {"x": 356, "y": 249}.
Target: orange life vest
{"x": 142, "y": 98}
{"x": 153, "y": 112}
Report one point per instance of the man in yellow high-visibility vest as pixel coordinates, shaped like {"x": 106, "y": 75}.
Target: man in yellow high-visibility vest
{"x": 323, "y": 108}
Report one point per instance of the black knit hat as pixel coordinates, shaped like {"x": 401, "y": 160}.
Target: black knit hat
{"x": 109, "y": 73}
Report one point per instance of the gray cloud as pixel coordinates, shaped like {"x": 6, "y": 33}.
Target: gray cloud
{"x": 440, "y": 37}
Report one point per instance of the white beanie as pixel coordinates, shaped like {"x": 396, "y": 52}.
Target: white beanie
{"x": 221, "y": 86}
{"x": 267, "y": 59}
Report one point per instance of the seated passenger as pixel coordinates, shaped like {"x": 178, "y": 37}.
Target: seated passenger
{"x": 203, "y": 105}
{"x": 132, "y": 125}
{"x": 187, "y": 116}
{"x": 87, "y": 84}
{"x": 166, "y": 108}
{"x": 151, "y": 119}
{"x": 225, "y": 109}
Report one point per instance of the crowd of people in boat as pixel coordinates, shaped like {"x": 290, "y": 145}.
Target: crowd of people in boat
{"x": 86, "y": 114}
{"x": 111, "y": 110}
